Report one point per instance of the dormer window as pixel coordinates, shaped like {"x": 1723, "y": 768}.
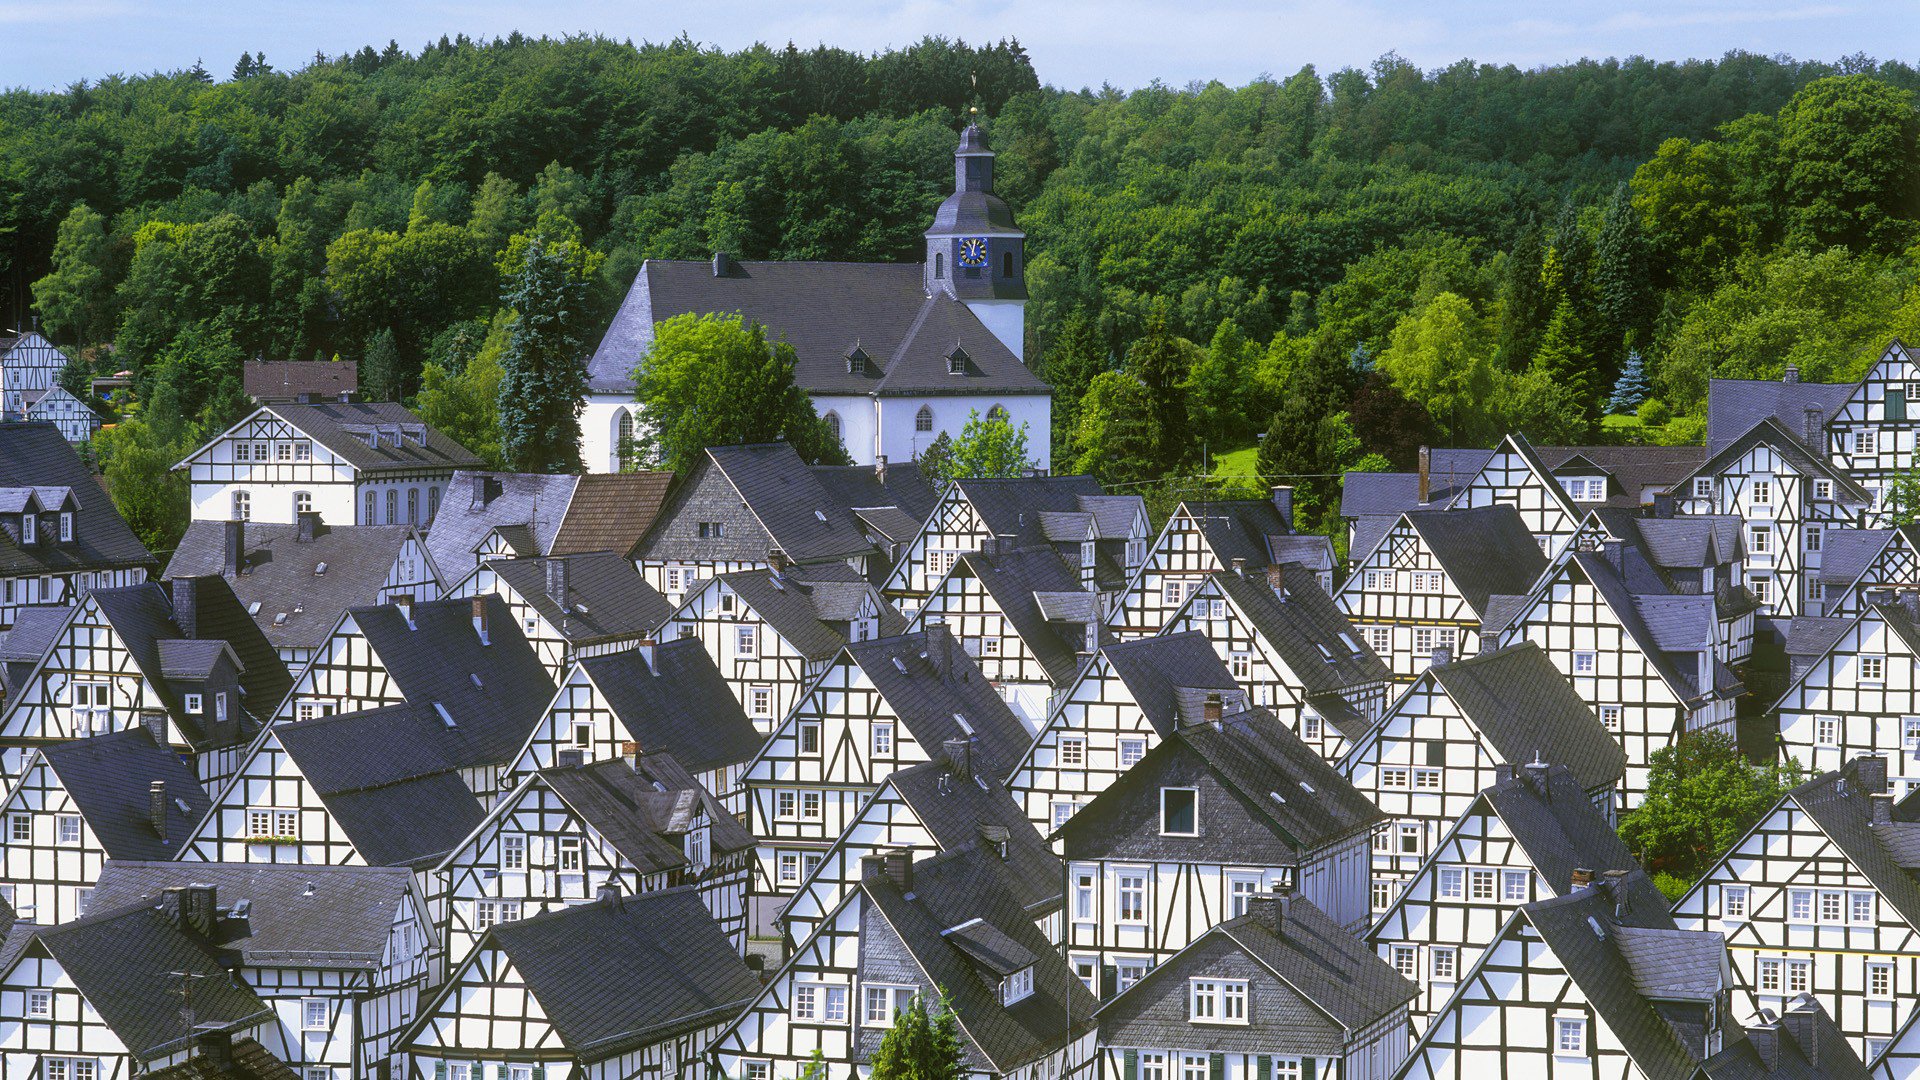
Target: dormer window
{"x": 193, "y": 704}
{"x": 957, "y": 361}
{"x": 1179, "y": 812}
{"x": 29, "y": 527}
{"x": 1217, "y": 1001}
{"x": 66, "y": 527}
{"x": 857, "y": 361}
{"x": 1017, "y": 986}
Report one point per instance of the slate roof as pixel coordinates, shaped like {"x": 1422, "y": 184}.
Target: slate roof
{"x": 797, "y": 510}
{"x": 1882, "y": 854}
{"x": 824, "y": 310}
{"x": 955, "y": 811}
{"x": 1804, "y": 1044}
{"x": 1249, "y": 529}
{"x": 250, "y": 1061}
{"x": 1032, "y": 586}
{"x": 1669, "y": 630}
{"x": 1788, "y": 445}
{"x": 344, "y": 428}
{"x": 143, "y": 617}
{"x": 644, "y": 808}
{"x": 477, "y": 502}
{"x": 797, "y": 604}
{"x": 1525, "y": 709}
{"x": 34, "y": 631}
{"x": 109, "y": 776}
{"x": 1734, "y": 406}
{"x": 1011, "y": 507}
{"x": 298, "y": 916}
{"x": 1254, "y": 757}
{"x": 275, "y": 381}
{"x": 495, "y": 692}
{"x": 862, "y": 487}
{"x": 1631, "y": 469}
{"x": 938, "y": 692}
{"x": 128, "y": 963}
{"x": 677, "y": 702}
{"x": 1485, "y": 550}
{"x": 612, "y": 976}
{"x": 389, "y": 777}
{"x": 958, "y": 887}
{"x": 1845, "y": 554}
{"x": 607, "y": 599}
{"x": 1690, "y": 541}
{"x": 1155, "y": 670}
{"x": 299, "y": 606}
{"x": 36, "y": 454}
{"x": 1307, "y": 629}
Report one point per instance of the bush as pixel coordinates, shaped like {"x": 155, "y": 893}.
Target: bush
{"x": 1672, "y": 886}
{"x": 1654, "y": 413}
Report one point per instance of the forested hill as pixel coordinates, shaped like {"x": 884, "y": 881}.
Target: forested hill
{"x": 1355, "y": 260}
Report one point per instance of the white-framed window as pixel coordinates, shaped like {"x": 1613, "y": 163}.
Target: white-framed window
{"x": 1409, "y": 839}
{"x": 1217, "y": 1001}
{"x": 1513, "y": 885}
{"x": 1129, "y": 970}
{"x": 1131, "y": 751}
{"x": 1378, "y": 638}
{"x": 1423, "y": 641}
{"x": 1873, "y": 668}
{"x": 1394, "y": 778}
{"x": 1799, "y": 976}
{"x": 1880, "y": 980}
{"x": 1860, "y": 907}
{"x": 940, "y": 561}
{"x": 67, "y": 829}
{"x": 1800, "y": 906}
{"x": 1762, "y": 589}
{"x": 810, "y": 806}
{"x": 302, "y": 502}
{"x": 1814, "y": 536}
{"x": 1406, "y": 961}
{"x": 1017, "y": 986}
{"x": 1570, "y": 1036}
{"x": 1240, "y": 664}
{"x": 1083, "y": 891}
{"x": 581, "y": 733}
{"x": 1426, "y": 581}
{"x": 1444, "y": 963}
{"x": 1179, "y": 811}
{"x": 1241, "y": 889}
{"x": 1866, "y": 442}
{"x": 1480, "y": 884}
{"x": 1311, "y": 727}
{"x": 1762, "y": 493}
{"x": 19, "y": 828}
{"x": 513, "y": 852}
{"x": 1703, "y": 487}
{"x": 1153, "y": 1065}
{"x": 1286, "y": 1068}
{"x": 314, "y": 1014}
{"x": 1769, "y": 972}
{"x": 92, "y": 705}
{"x": 809, "y": 733}
{"x": 1194, "y": 1067}
{"x": 879, "y": 1004}
{"x": 1585, "y": 663}
{"x": 491, "y": 913}
{"x": 66, "y": 526}
{"x": 882, "y": 737}
{"x": 746, "y": 641}
{"x": 1760, "y": 539}
{"x": 1130, "y": 895}
{"x": 1073, "y": 752}
{"x": 568, "y": 854}
{"x": 1823, "y": 490}
{"x": 760, "y": 700}
{"x": 1380, "y": 893}
{"x": 1426, "y": 779}
{"x": 1453, "y": 881}
{"x": 1733, "y": 901}
{"x": 39, "y": 1004}
{"x": 1610, "y": 717}
{"x": 786, "y": 804}
{"x": 1061, "y": 810}
{"x": 69, "y": 1068}
{"x": 788, "y": 864}
{"x": 1826, "y": 730}
{"x": 820, "y": 1002}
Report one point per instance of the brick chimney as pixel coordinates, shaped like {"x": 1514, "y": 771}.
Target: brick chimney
{"x": 404, "y": 601}
{"x": 157, "y": 807}
{"x": 1213, "y": 708}
{"x": 899, "y": 868}
{"x": 480, "y": 627}
{"x": 1582, "y": 878}
{"x": 777, "y": 560}
{"x": 1277, "y": 579}
{"x": 630, "y": 752}
{"x": 1426, "y": 474}
{"x": 1870, "y": 773}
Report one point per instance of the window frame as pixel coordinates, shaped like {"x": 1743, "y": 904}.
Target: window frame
{"x": 1193, "y": 808}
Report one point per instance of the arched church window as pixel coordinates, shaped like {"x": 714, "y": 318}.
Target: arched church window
{"x": 939, "y": 265}
{"x": 998, "y": 412}
{"x": 923, "y": 420}
{"x": 833, "y": 425}
{"x": 623, "y": 438}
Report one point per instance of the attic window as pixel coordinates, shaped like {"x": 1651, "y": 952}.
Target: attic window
{"x": 280, "y": 619}
{"x": 1347, "y": 640}
{"x": 475, "y": 676}
{"x": 319, "y": 569}
{"x": 445, "y": 716}
{"x": 253, "y": 608}
{"x": 821, "y": 516}
{"x": 1017, "y": 986}
{"x": 957, "y": 361}
{"x": 857, "y": 361}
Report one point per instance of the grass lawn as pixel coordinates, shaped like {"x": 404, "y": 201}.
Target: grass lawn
{"x": 1236, "y": 462}
{"x": 1624, "y": 420}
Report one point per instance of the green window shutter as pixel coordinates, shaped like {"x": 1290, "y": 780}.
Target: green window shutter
{"x": 1265, "y": 1068}
{"x": 539, "y": 1072}
{"x": 1217, "y": 1066}
{"x": 1131, "y": 1069}
{"x": 1109, "y": 978}
{"x": 1896, "y": 402}
{"x": 439, "y": 1070}
{"x": 1307, "y": 1065}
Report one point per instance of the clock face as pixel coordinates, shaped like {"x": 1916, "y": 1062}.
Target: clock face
{"x": 973, "y": 251}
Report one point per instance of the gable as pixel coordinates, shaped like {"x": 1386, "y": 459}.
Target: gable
{"x": 1153, "y": 1013}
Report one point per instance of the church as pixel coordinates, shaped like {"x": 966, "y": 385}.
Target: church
{"x": 891, "y": 354}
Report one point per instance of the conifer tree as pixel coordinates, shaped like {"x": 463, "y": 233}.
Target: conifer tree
{"x": 380, "y": 368}
{"x": 1631, "y": 388}
{"x": 1161, "y": 363}
{"x": 1076, "y": 355}
{"x": 1622, "y": 272}
{"x": 920, "y": 1046}
{"x": 544, "y": 383}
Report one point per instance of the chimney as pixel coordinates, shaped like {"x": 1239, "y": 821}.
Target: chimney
{"x": 959, "y": 757}
{"x": 186, "y": 608}
{"x": 1792, "y": 374}
{"x": 1880, "y": 807}
{"x": 880, "y": 467}
{"x": 899, "y": 867}
{"x": 404, "y": 601}
{"x": 1582, "y": 878}
{"x": 1502, "y": 772}
{"x": 479, "y": 490}
{"x": 1283, "y": 502}
{"x": 630, "y": 751}
{"x": 309, "y": 526}
{"x": 571, "y": 757}
{"x": 157, "y": 807}
{"x": 1664, "y": 504}
{"x": 939, "y": 647}
{"x": 233, "y": 546}
{"x": 1442, "y": 655}
{"x": 1277, "y": 579}
{"x": 722, "y": 264}
{"x": 155, "y": 721}
{"x": 1617, "y": 891}
{"x": 1810, "y": 430}
{"x": 1212, "y": 708}
{"x": 777, "y": 560}
{"x": 1536, "y": 773}
{"x": 1239, "y": 566}
{"x": 1426, "y": 474}
{"x": 996, "y": 837}
{"x": 480, "y": 620}
{"x": 197, "y": 909}
{"x": 608, "y": 893}
{"x": 645, "y": 647}
{"x": 1797, "y": 1020}
{"x": 557, "y": 583}
{"x": 990, "y": 546}
{"x": 1870, "y": 773}
{"x": 214, "y": 1045}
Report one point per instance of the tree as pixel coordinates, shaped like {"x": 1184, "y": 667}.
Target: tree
{"x": 1118, "y": 437}
{"x": 1561, "y": 362}
{"x": 1903, "y": 499}
{"x": 1702, "y": 795}
{"x": 1632, "y": 388}
{"x": 715, "y": 380}
{"x": 497, "y": 213}
{"x": 460, "y": 392}
{"x": 921, "y": 1045}
{"x": 137, "y": 464}
{"x": 987, "y": 448}
{"x": 543, "y": 382}
{"x": 380, "y": 368}
{"x": 1850, "y": 146}
{"x": 1215, "y": 389}
{"x": 1160, "y": 361}
{"x": 76, "y": 298}
{"x": 1439, "y": 356}
{"x": 1076, "y": 355}
{"x": 1623, "y": 273}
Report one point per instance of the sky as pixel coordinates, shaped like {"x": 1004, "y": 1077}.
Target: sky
{"x": 1074, "y": 43}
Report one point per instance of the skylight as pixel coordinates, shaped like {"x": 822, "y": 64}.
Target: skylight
{"x": 445, "y": 716}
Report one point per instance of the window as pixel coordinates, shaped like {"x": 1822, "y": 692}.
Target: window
{"x": 302, "y": 502}
{"x": 513, "y": 852}
{"x": 759, "y": 1070}
{"x": 1409, "y": 836}
{"x": 1073, "y": 752}
{"x": 923, "y": 420}
{"x": 1426, "y": 581}
{"x": 313, "y": 1014}
{"x": 1703, "y": 487}
{"x": 1830, "y": 907}
{"x": 489, "y": 913}
{"x": 1017, "y": 986}
{"x": 1217, "y": 1001}
{"x": 1062, "y": 810}
{"x": 1873, "y": 668}
{"x": 809, "y": 732}
{"x": 1860, "y": 907}
{"x": 1426, "y": 779}
{"x": 1193, "y": 1067}
{"x": 39, "y": 1003}
{"x": 1452, "y": 882}
{"x": 19, "y": 828}
{"x": 367, "y": 509}
{"x": 1769, "y": 976}
{"x": 1380, "y": 892}
{"x": 1130, "y": 895}
{"x": 1393, "y": 778}
{"x": 833, "y": 425}
{"x": 1126, "y": 972}
{"x": 1083, "y": 895}
{"x": 1310, "y": 727}
{"x": 789, "y": 864}
{"x": 1179, "y": 811}
{"x": 1733, "y": 901}
{"x": 1513, "y": 885}
{"x": 939, "y": 265}
{"x": 393, "y": 506}
{"x": 1240, "y": 890}
{"x": 1131, "y": 751}
{"x": 820, "y": 1002}
{"x": 69, "y": 1068}
{"x": 1006, "y": 264}
{"x": 67, "y": 828}
{"x": 193, "y": 704}
{"x": 1153, "y": 1066}
{"x": 1423, "y": 641}
{"x": 1240, "y": 664}
{"x": 302, "y": 450}
{"x": 1585, "y": 663}
{"x": 879, "y": 1004}
{"x": 1406, "y": 961}
{"x": 1800, "y": 906}
{"x": 1760, "y": 539}
{"x": 1826, "y": 730}
{"x": 1610, "y": 717}
{"x": 1377, "y": 580}
{"x": 1823, "y": 490}
{"x": 1866, "y": 442}
{"x": 1763, "y": 493}
{"x": 1378, "y": 638}
{"x": 1570, "y": 1035}
{"x": 66, "y": 527}
{"x": 413, "y": 506}
{"x": 1880, "y": 980}
{"x": 242, "y": 511}
{"x": 1762, "y": 589}
{"x": 1445, "y": 963}
{"x": 1815, "y": 535}
{"x": 712, "y": 530}
{"x": 810, "y": 806}
{"x": 1799, "y": 976}
{"x": 746, "y": 641}
{"x": 569, "y": 854}
{"x": 882, "y": 740}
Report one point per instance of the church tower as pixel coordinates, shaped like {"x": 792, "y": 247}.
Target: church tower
{"x": 975, "y": 252}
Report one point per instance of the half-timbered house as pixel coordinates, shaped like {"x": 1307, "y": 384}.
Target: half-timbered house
{"x": 1434, "y": 578}
{"x": 1280, "y": 992}
{"x": 1103, "y": 536}
{"x": 1855, "y": 690}
{"x": 949, "y": 928}
{"x": 489, "y": 515}
{"x": 772, "y": 632}
{"x": 298, "y": 580}
{"x": 1209, "y": 537}
{"x": 641, "y": 823}
{"x": 60, "y": 536}
{"x": 354, "y": 463}
{"x": 1291, "y": 650}
{"x": 183, "y": 658}
{"x": 1515, "y": 476}
{"x": 57, "y": 406}
{"x": 1440, "y": 744}
{"x": 667, "y": 698}
{"x": 1531, "y": 835}
{"x": 1371, "y": 502}
{"x": 1221, "y": 810}
{"x": 1819, "y": 897}
{"x": 30, "y": 365}
{"x": 625, "y": 986}
{"x": 1131, "y": 696}
{"x": 80, "y": 803}
{"x": 881, "y": 705}
{"x": 1681, "y": 555}
{"x": 572, "y": 606}
{"x": 1875, "y": 434}
{"x": 1860, "y": 562}
{"x": 1026, "y": 617}
{"x": 922, "y": 810}
{"x": 342, "y": 955}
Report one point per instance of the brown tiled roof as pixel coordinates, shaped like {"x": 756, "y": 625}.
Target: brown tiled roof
{"x": 286, "y": 380}
{"x": 610, "y": 512}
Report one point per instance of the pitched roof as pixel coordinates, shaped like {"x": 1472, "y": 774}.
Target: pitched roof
{"x": 610, "y": 512}
{"x": 1485, "y": 550}
{"x": 607, "y": 599}
{"x": 1845, "y": 554}
{"x": 34, "y": 631}
{"x": 973, "y": 809}
{"x": 825, "y": 310}
{"x": 1032, "y": 587}
{"x": 476, "y": 503}
{"x": 299, "y": 602}
{"x": 901, "y": 486}
{"x": 1309, "y": 631}
{"x": 1321, "y": 961}
{"x": 1671, "y": 631}
{"x": 1770, "y": 432}
{"x": 1550, "y": 817}
{"x": 109, "y": 778}
{"x": 297, "y": 916}
{"x": 1249, "y": 529}
{"x": 938, "y": 692}
{"x": 618, "y": 974}
{"x": 1802, "y": 1044}
{"x": 144, "y": 617}
{"x": 285, "y": 380}
{"x": 1840, "y": 805}
{"x": 1524, "y": 708}
{"x": 349, "y": 430}
{"x": 809, "y": 605}
{"x": 677, "y": 702}
{"x": 1734, "y": 406}
{"x": 1158, "y": 670}
{"x": 37, "y": 454}
{"x": 249, "y": 1061}
{"x": 1011, "y": 506}
{"x": 802, "y": 516}
{"x": 644, "y": 807}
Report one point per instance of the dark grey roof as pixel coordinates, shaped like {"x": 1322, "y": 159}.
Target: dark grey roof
{"x": 1485, "y": 550}
{"x": 299, "y": 604}
{"x": 1691, "y": 541}
{"x": 476, "y": 503}
{"x": 1631, "y": 469}
{"x": 407, "y": 443}
{"x": 1845, "y": 554}
{"x": 1838, "y": 803}
{"x": 1303, "y": 624}
{"x": 607, "y": 599}
{"x": 1031, "y": 586}
{"x": 1770, "y": 432}
{"x": 1671, "y": 631}
{"x": 494, "y": 692}
{"x": 390, "y": 778}
{"x": 129, "y": 963}
{"x": 1813, "y": 635}
{"x": 938, "y": 692}
{"x": 298, "y": 916}
{"x": 109, "y": 778}
{"x": 1802, "y": 1044}
{"x": 864, "y": 487}
{"x": 191, "y": 660}
{"x": 1555, "y": 824}
{"x": 824, "y": 310}
{"x": 958, "y": 887}
{"x": 619, "y": 974}
{"x": 1156, "y": 669}
{"x": 808, "y": 606}
{"x": 1526, "y": 710}
{"x": 1245, "y": 529}
{"x": 644, "y": 807}
{"x": 144, "y": 617}
{"x": 1323, "y": 962}
{"x": 1734, "y": 406}
{"x": 677, "y": 702}
{"x": 1011, "y": 507}
{"x": 802, "y": 516}
{"x": 285, "y": 380}
{"x": 34, "y": 631}
{"x": 1282, "y": 800}
{"x": 248, "y": 1060}
{"x": 960, "y": 810}
{"x": 36, "y": 454}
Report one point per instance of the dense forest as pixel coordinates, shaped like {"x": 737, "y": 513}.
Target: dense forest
{"x": 1333, "y": 267}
